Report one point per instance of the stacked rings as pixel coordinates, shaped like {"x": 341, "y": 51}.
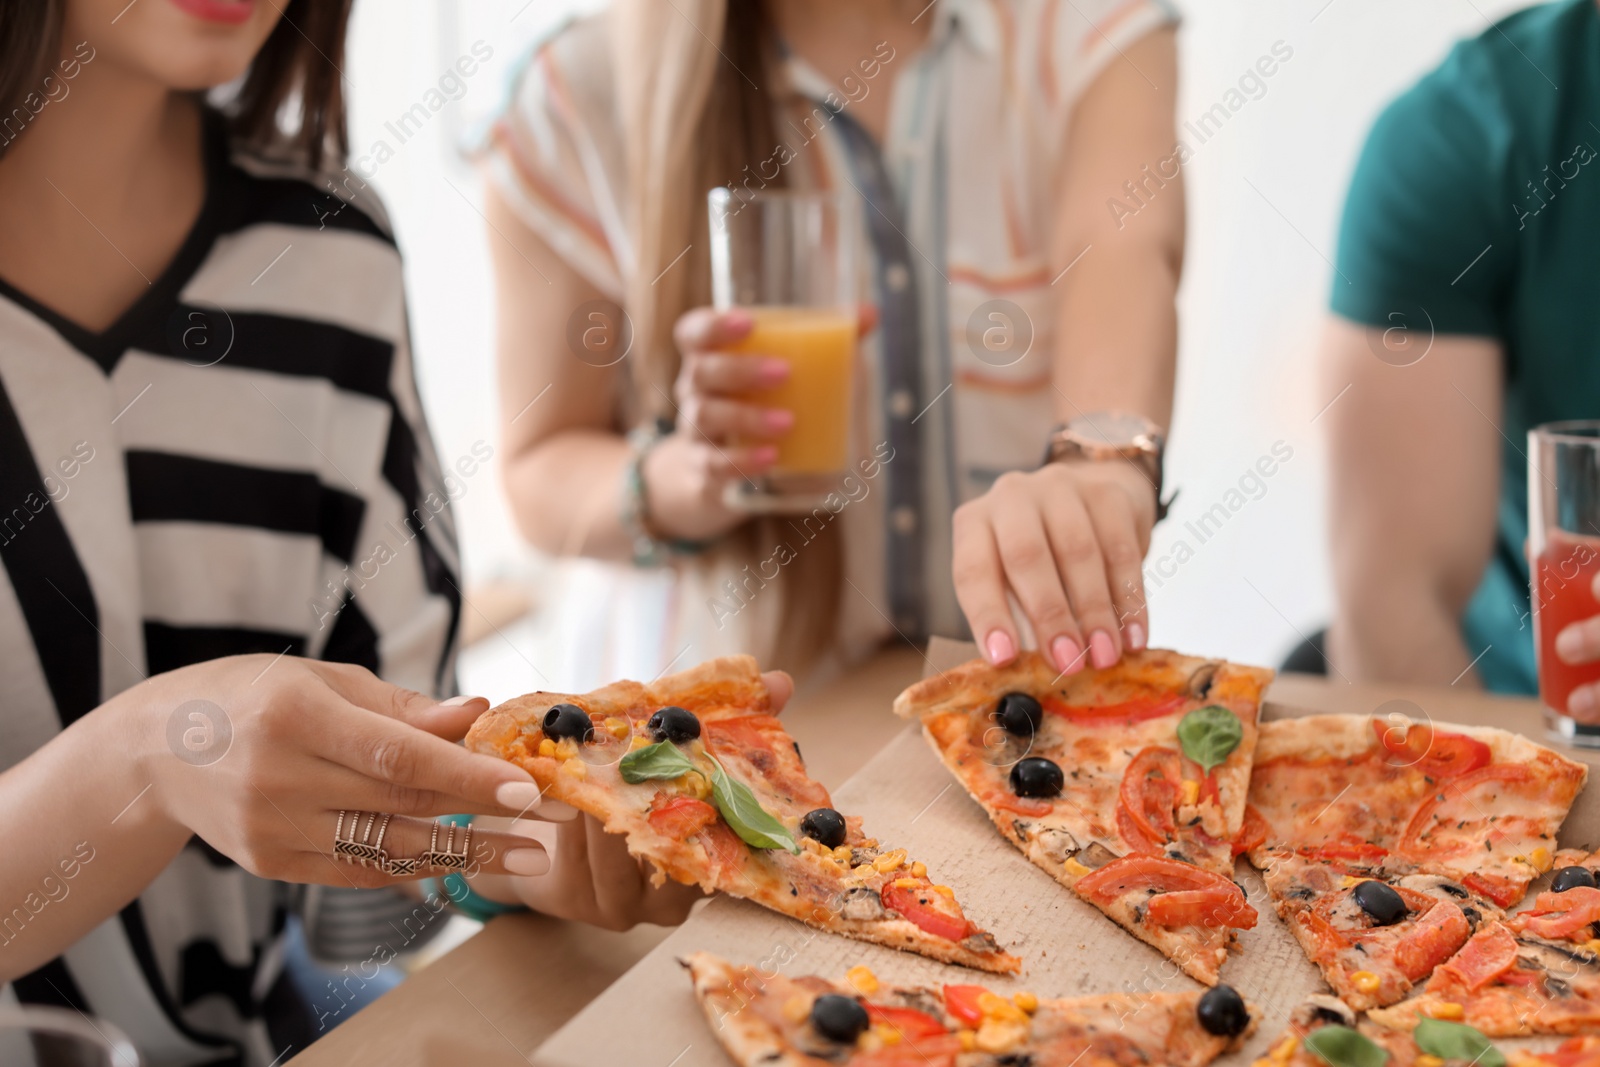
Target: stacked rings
{"x": 361, "y": 846}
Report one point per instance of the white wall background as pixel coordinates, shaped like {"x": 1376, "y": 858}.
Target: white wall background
{"x": 1264, "y": 197}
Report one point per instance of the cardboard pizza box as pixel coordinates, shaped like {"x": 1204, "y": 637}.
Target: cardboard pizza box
{"x": 1068, "y": 948}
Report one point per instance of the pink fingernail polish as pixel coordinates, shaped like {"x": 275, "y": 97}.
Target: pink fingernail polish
{"x": 774, "y": 371}
{"x": 1067, "y": 654}
{"x": 764, "y": 455}
{"x": 1000, "y": 647}
{"x": 778, "y": 420}
{"x": 1569, "y": 644}
{"x": 1102, "y": 653}
{"x": 1581, "y": 704}
{"x": 456, "y": 702}
{"x": 737, "y": 320}
{"x": 1135, "y": 634}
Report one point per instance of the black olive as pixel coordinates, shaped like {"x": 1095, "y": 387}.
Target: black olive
{"x": 1380, "y": 901}
{"x": 673, "y": 724}
{"x": 1572, "y": 878}
{"x": 1019, "y": 714}
{"x": 568, "y": 720}
{"x": 838, "y": 1018}
{"x": 1036, "y": 777}
{"x": 1221, "y": 1011}
{"x": 824, "y": 826}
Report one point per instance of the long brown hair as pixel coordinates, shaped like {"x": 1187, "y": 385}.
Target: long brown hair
{"x": 697, "y": 101}
{"x": 296, "y": 70}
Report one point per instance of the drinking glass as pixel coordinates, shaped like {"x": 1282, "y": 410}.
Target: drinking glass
{"x": 1564, "y": 542}
{"x": 44, "y": 1036}
{"x": 789, "y": 259}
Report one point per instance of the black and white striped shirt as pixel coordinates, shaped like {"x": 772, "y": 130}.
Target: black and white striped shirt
{"x": 239, "y": 464}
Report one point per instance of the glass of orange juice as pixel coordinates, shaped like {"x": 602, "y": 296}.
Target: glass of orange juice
{"x": 789, "y": 259}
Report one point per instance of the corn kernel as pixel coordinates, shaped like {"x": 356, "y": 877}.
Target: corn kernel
{"x": 617, "y": 727}
{"x": 797, "y": 1009}
{"x": 968, "y": 1040}
{"x": 891, "y": 860}
{"x": 887, "y": 1034}
{"x": 576, "y": 768}
{"x": 694, "y": 785}
{"x": 566, "y": 748}
{"x": 997, "y": 1035}
{"x": 945, "y": 891}
{"x": 1366, "y": 981}
{"x": 1446, "y": 1010}
{"x": 1541, "y": 860}
{"x": 907, "y": 883}
{"x": 1191, "y": 792}
{"x": 842, "y": 854}
{"x": 919, "y": 870}
{"x": 1592, "y": 946}
{"x": 547, "y": 747}
{"x": 863, "y": 871}
{"x": 1349, "y": 880}
{"x": 862, "y": 979}
{"x": 994, "y": 1006}
{"x": 1426, "y": 1060}
{"x": 1074, "y": 868}
{"x": 869, "y": 1041}
{"x": 1284, "y": 1050}
{"x": 639, "y": 741}
{"x": 1026, "y": 1001}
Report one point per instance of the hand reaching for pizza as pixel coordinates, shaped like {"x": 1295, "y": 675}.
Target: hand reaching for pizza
{"x": 1577, "y": 644}
{"x": 257, "y": 756}
{"x": 1066, "y": 541}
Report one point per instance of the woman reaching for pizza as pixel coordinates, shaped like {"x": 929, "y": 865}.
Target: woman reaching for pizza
{"x": 1018, "y": 310}
{"x": 227, "y": 604}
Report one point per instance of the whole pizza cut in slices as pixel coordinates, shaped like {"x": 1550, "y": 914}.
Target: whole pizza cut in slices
{"x": 707, "y": 785}
{"x": 1126, "y": 784}
{"x": 1386, "y": 845}
{"x": 777, "y": 1021}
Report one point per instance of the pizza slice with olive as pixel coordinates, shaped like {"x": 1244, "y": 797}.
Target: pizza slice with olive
{"x": 1126, "y": 784}
{"x": 1385, "y": 845}
{"x": 1323, "y": 1032}
{"x": 777, "y": 1021}
{"x": 706, "y": 784}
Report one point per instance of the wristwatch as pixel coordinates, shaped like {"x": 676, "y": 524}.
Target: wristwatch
{"x": 1113, "y": 435}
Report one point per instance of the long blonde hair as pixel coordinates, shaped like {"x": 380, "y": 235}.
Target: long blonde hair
{"x": 697, "y": 105}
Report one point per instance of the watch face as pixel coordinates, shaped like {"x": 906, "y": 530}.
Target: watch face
{"x": 1114, "y": 429}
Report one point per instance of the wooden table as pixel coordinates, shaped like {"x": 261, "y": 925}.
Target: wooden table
{"x": 503, "y": 994}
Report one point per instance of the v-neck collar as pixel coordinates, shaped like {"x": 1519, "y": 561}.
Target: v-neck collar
{"x": 147, "y": 315}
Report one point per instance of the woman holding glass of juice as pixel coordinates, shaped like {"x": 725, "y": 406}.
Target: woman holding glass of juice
{"x": 825, "y": 393}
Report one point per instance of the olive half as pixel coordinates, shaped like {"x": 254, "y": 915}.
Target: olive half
{"x": 1572, "y": 878}
{"x": 1221, "y": 1011}
{"x": 673, "y": 724}
{"x": 838, "y": 1018}
{"x": 568, "y": 720}
{"x": 1380, "y": 901}
{"x": 824, "y": 826}
{"x": 1037, "y": 777}
{"x": 1019, "y": 714}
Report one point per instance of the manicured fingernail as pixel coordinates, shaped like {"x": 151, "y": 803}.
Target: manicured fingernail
{"x": 1580, "y": 705}
{"x": 456, "y": 702}
{"x": 527, "y": 861}
{"x": 1102, "y": 653}
{"x": 774, "y": 371}
{"x": 517, "y": 796}
{"x": 735, "y": 319}
{"x": 1000, "y": 647}
{"x": 778, "y": 420}
{"x": 1135, "y": 634}
{"x": 1569, "y": 644}
{"x": 764, "y": 455}
{"x": 1068, "y": 656}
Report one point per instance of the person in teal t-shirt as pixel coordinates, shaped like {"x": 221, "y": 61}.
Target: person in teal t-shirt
{"x": 1466, "y": 309}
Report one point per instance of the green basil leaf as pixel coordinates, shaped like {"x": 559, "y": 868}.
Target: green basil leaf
{"x": 1343, "y": 1047}
{"x": 1209, "y": 734}
{"x": 741, "y": 810}
{"x": 1456, "y": 1041}
{"x": 660, "y": 760}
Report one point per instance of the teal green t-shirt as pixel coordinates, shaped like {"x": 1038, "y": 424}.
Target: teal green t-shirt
{"x": 1475, "y": 209}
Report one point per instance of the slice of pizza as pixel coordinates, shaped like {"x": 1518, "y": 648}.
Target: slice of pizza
{"x": 1377, "y": 843}
{"x": 1126, "y": 785}
{"x": 1506, "y": 982}
{"x": 772, "y": 1020}
{"x": 707, "y": 785}
{"x": 1322, "y": 1032}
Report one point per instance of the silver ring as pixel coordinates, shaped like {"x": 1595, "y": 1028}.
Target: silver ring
{"x": 448, "y": 859}
{"x": 364, "y": 849}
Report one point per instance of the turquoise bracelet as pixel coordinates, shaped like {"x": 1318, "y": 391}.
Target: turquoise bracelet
{"x": 458, "y": 892}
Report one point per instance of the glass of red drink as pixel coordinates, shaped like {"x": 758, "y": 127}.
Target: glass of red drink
{"x": 1564, "y": 543}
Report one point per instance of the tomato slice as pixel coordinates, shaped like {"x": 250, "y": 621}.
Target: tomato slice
{"x": 1559, "y": 915}
{"x": 915, "y": 903}
{"x": 1490, "y": 953}
{"x": 1030, "y": 806}
{"x": 1149, "y": 792}
{"x": 757, "y": 740}
{"x": 1438, "y": 933}
{"x": 961, "y": 1001}
{"x": 924, "y": 1040}
{"x": 1202, "y": 907}
{"x": 1411, "y": 840}
{"x": 681, "y": 817}
{"x": 1503, "y": 891}
{"x": 910, "y": 1022}
{"x": 1345, "y": 848}
{"x": 1436, "y": 754}
{"x": 1128, "y": 711}
{"x": 1253, "y": 831}
{"x": 1575, "y": 1052}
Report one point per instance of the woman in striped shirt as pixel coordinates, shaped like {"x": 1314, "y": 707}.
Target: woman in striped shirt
{"x": 1023, "y": 206}
{"x": 228, "y": 602}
